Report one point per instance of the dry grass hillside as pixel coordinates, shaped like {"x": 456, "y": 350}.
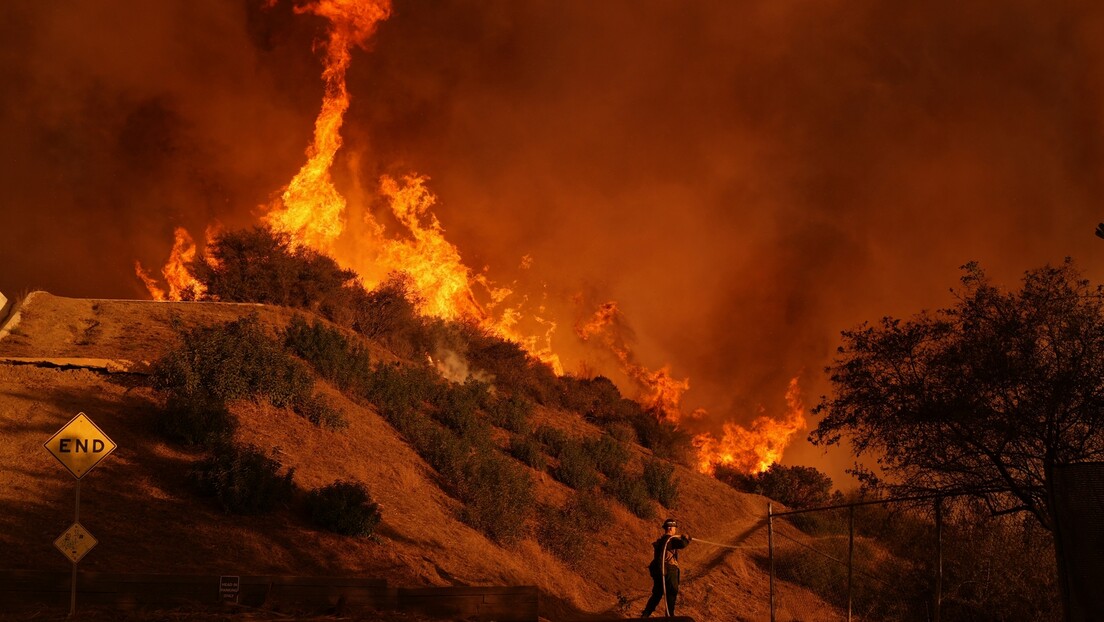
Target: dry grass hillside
{"x": 61, "y": 356}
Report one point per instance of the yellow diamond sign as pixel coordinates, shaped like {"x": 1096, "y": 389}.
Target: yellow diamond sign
{"x": 75, "y": 542}
{"x": 80, "y": 445}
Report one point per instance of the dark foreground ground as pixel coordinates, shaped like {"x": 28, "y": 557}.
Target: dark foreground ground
{"x": 236, "y": 614}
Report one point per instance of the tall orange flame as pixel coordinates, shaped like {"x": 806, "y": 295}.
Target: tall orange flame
{"x": 660, "y": 390}
{"x": 438, "y": 274}
{"x": 752, "y": 450}
{"x": 445, "y": 285}
{"x": 182, "y": 285}
{"x": 310, "y": 209}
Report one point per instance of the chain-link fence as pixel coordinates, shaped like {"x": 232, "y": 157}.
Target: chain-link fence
{"x": 917, "y": 559}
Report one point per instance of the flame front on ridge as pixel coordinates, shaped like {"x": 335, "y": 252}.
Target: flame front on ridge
{"x": 312, "y": 213}
{"x": 753, "y": 449}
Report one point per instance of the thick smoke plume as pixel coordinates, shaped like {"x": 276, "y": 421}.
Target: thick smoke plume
{"x": 744, "y": 179}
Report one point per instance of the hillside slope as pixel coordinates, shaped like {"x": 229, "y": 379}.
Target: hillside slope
{"x": 140, "y": 505}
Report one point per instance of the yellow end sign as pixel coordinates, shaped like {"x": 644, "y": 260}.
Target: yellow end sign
{"x": 80, "y": 445}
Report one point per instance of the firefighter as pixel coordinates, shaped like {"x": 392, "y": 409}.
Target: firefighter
{"x": 665, "y": 568}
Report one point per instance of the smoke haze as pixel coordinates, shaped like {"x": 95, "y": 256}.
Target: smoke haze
{"x": 744, "y": 179}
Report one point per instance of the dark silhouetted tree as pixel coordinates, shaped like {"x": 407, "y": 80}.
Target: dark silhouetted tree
{"x": 259, "y": 265}
{"x": 988, "y": 394}
{"x": 794, "y": 486}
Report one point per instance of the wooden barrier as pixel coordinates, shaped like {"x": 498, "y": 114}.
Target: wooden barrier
{"x": 21, "y": 589}
{"x": 665, "y": 619}
{"x": 503, "y": 604}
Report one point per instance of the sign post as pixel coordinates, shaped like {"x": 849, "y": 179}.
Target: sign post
{"x": 79, "y": 446}
{"x": 229, "y": 588}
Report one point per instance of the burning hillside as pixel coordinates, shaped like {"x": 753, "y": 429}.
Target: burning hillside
{"x": 312, "y": 212}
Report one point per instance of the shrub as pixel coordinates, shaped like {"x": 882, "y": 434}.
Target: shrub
{"x": 457, "y": 406}
{"x": 510, "y": 413}
{"x": 259, "y": 265}
{"x": 595, "y": 398}
{"x": 195, "y": 420}
{"x": 343, "y": 507}
{"x": 590, "y": 511}
{"x": 398, "y": 387}
{"x": 566, "y": 531}
{"x": 446, "y": 452}
{"x": 659, "y": 483}
{"x": 665, "y": 439}
{"x": 609, "y": 456}
{"x": 552, "y": 438}
{"x": 576, "y": 466}
{"x": 632, "y": 494}
{"x": 322, "y": 412}
{"x": 244, "y": 480}
{"x": 527, "y": 450}
{"x": 389, "y": 314}
{"x": 232, "y": 361}
{"x": 331, "y": 354}
{"x": 514, "y": 370}
{"x": 794, "y": 486}
{"x": 497, "y": 495}
{"x": 622, "y": 433}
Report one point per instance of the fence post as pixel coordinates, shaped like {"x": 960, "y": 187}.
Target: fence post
{"x": 850, "y": 557}
{"x": 938, "y": 556}
{"x": 770, "y": 549}
{"x": 73, "y": 589}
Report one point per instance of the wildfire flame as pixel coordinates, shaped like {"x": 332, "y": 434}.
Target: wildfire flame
{"x": 753, "y": 449}
{"x": 660, "y": 389}
{"x": 312, "y": 212}
{"x": 310, "y": 209}
{"x": 445, "y": 286}
{"x": 182, "y": 285}
{"x": 438, "y": 274}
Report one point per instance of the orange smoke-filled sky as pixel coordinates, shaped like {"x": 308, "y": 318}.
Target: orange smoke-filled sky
{"x": 744, "y": 179}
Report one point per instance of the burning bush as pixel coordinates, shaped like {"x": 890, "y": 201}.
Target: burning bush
{"x": 244, "y": 480}
{"x": 343, "y": 507}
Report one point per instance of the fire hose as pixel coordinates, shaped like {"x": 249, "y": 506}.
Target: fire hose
{"x": 726, "y": 546}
